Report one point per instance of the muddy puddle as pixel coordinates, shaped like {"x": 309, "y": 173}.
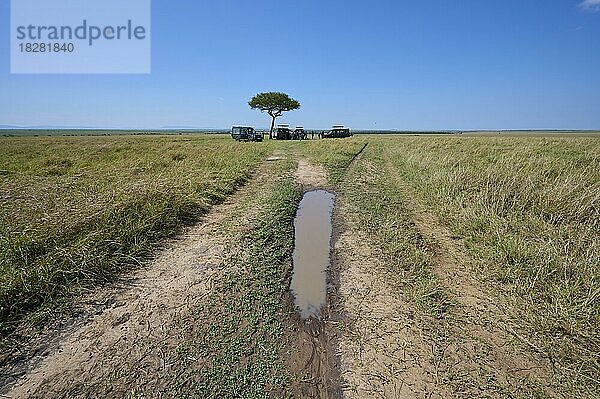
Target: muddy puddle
{"x": 311, "y": 252}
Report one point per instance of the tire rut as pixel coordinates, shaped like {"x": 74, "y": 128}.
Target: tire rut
{"x": 129, "y": 339}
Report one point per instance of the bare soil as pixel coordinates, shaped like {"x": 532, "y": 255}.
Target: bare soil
{"x": 371, "y": 342}
{"x": 130, "y": 339}
{"x": 482, "y": 344}
{"x": 123, "y": 348}
{"x": 310, "y": 176}
{"x": 389, "y": 348}
{"x": 386, "y": 350}
{"x": 484, "y": 353}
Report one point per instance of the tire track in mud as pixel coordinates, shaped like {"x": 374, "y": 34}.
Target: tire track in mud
{"x": 313, "y": 363}
{"x": 355, "y": 157}
{"x": 314, "y": 359}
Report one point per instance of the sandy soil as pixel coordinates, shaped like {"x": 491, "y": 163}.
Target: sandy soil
{"x": 390, "y": 349}
{"x": 129, "y": 340}
{"x": 484, "y": 352}
{"x": 482, "y": 343}
{"x": 385, "y": 350}
{"x": 372, "y": 341}
{"x": 310, "y": 176}
{"x": 123, "y": 350}
{"x": 369, "y": 334}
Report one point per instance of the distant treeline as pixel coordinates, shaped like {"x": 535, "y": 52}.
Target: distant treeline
{"x": 132, "y": 132}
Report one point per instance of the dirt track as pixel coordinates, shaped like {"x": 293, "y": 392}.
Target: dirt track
{"x": 372, "y": 342}
{"x": 389, "y": 348}
{"x": 133, "y": 336}
{"x": 129, "y": 340}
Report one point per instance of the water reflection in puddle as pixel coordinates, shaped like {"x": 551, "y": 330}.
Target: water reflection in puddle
{"x": 311, "y": 252}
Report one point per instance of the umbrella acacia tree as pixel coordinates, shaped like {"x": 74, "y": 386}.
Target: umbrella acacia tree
{"x": 274, "y": 104}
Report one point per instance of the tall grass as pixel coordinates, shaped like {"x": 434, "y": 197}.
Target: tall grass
{"x": 528, "y": 209}
{"x": 77, "y": 211}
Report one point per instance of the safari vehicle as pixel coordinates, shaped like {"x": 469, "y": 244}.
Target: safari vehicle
{"x": 299, "y": 133}
{"x": 337, "y": 132}
{"x": 245, "y": 133}
{"x": 282, "y": 132}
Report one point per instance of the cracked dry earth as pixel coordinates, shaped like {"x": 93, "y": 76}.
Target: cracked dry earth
{"x": 129, "y": 342}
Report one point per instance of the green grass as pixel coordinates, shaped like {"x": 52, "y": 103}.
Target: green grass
{"x": 78, "y": 211}
{"x": 238, "y": 331}
{"x": 333, "y": 154}
{"x": 527, "y": 210}
{"x": 377, "y": 205}
{"x": 81, "y": 211}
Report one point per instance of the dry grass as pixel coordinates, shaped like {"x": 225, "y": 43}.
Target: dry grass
{"x": 527, "y": 212}
{"x": 108, "y": 202}
{"x": 77, "y": 211}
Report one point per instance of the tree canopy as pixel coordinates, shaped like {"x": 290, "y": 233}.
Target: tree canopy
{"x": 273, "y": 103}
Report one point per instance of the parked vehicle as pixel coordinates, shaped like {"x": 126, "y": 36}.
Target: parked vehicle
{"x": 282, "y": 132}
{"x": 299, "y": 133}
{"x": 337, "y": 131}
{"x": 246, "y": 133}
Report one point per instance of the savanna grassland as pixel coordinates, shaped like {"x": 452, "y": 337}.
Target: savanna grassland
{"x": 513, "y": 219}
{"x": 462, "y": 266}
{"x": 77, "y": 211}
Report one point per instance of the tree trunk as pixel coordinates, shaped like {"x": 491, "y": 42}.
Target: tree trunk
{"x": 272, "y": 126}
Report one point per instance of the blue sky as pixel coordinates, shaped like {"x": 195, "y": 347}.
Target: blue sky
{"x": 437, "y": 64}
